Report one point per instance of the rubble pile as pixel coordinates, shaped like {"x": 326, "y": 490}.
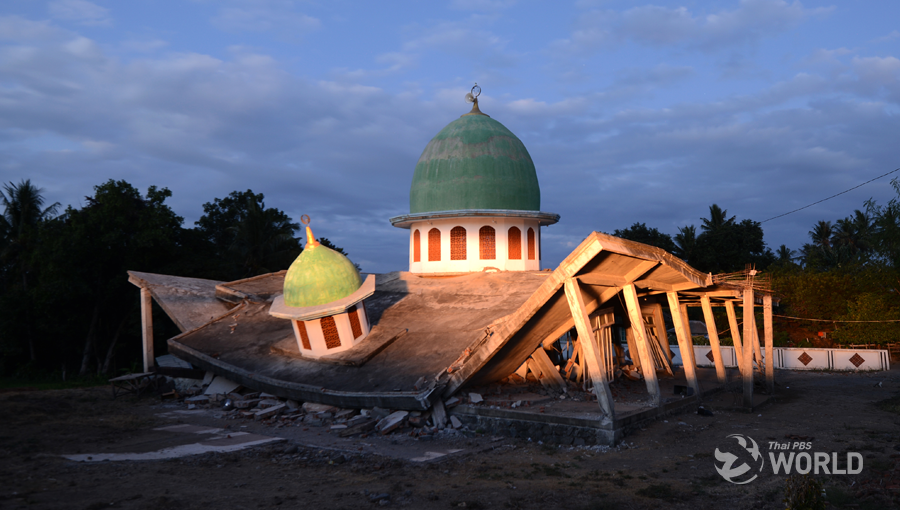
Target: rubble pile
{"x": 244, "y": 404}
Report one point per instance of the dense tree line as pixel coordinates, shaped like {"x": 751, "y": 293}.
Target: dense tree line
{"x": 66, "y": 305}
{"x": 65, "y": 302}
{"x": 847, "y": 276}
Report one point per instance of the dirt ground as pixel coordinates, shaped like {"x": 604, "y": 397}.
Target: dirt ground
{"x": 668, "y": 464}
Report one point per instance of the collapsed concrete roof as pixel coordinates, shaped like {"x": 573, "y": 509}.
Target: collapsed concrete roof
{"x": 430, "y": 335}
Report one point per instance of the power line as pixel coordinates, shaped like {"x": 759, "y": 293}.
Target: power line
{"x": 832, "y": 196}
{"x": 831, "y": 320}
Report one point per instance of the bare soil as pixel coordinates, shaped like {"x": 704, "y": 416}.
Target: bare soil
{"x": 668, "y": 464}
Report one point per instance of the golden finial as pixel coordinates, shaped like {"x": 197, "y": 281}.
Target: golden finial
{"x": 310, "y": 239}
{"x": 472, "y": 97}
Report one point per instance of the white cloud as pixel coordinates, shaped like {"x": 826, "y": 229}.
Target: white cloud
{"x": 890, "y": 37}
{"x": 663, "y": 26}
{"x": 80, "y": 11}
{"x": 277, "y": 16}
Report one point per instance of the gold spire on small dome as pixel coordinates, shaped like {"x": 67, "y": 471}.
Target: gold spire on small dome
{"x": 310, "y": 239}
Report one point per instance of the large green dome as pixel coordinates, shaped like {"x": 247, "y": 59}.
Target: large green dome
{"x": 474, "y": 163}
{"x": 319, "y": 275}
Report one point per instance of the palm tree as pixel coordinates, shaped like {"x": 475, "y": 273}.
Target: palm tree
{"x": 821, "y": 234}
{"x": 23, "y": 212}
{"x": 785, "y": 255}
{"x": 686, "y": 243}
{"x": 718, "y": 219}
{"x": 264, "y": 239}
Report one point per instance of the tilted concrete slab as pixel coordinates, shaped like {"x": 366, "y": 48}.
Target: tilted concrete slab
{"x": 189, "y": 302}
{"x": 442, "y": 317}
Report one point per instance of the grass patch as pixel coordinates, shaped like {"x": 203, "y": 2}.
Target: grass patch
{"x": 548, "y": 470}
{"x": 30, "y": 384}
{"x": 891, "y": 405}
{"x": 661, "y": 491}
{"x": 839, "y": 496}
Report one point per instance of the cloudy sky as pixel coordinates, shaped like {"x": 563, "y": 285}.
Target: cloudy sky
{"x": 631, "y": 111}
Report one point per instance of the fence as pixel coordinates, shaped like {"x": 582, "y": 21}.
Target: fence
{"x": 799, "y": 358}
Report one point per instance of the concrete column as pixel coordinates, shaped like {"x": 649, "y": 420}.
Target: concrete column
{"x": 710, "y": 320}
{"x": 640, "y": 338}
{"x": 735, "y": 335}
{"x": 147, "y": 329}
{"x": 685, "y": 344}
{"x": 747, "y": 370}
{"x": 770, "y": 349}
{"x": 596, "y": 367}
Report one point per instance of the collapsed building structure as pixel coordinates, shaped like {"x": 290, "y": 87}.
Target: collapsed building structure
{"x": 474, "y": 308}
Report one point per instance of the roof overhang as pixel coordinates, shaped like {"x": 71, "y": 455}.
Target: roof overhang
{"x": 282, "y": 310}
{"x": 406, "y": 221}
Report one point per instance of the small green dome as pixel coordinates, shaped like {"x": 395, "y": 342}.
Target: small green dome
{"x": 320, "y": 275}
{"x": 474, "y": 163}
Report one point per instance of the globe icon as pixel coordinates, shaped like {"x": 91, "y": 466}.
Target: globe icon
{"x": 739, "y": 463}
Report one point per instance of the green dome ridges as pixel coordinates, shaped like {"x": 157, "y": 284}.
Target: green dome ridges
{"x": 318, "y": 276}
{"x": 474, "y": 163}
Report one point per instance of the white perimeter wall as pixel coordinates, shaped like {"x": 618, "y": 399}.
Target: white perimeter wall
{"x": 473, "y": 263}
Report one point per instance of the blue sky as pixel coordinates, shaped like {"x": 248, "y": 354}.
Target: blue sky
{"x": 632, "y": 111}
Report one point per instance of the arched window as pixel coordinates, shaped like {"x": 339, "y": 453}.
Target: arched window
{"x": 304, "y": 336}
{"x": 417, "y": 246}
{"x": 514, "y": 242}
{"x": 354, "y": 323}
{"x": 330, "y": 332}
{"x": 434, "y": 245}
{"x": 487, "y": 247}
{"x": 458, "y": 243}
{"x": 530, "y": 243}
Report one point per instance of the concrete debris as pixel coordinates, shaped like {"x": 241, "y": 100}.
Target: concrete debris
{"x": 380, "y": 413}
{"x": 221, "y": 386}
{"x": 475, "y": 398}
{"x": 269, "y": 412}
{"x": 246, "y": 404}
{"x": 452, "y": 402}
{"x": 278, "y": 412}
{"x": 455, "y": 423}
{"x": 263, "y": 404}
{"x": 391, "y": 422}
{"x": 311, "y": 407}
{"x": 361, "y": 427}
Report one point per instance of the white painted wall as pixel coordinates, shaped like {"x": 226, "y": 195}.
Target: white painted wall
{"x": 345, "y": 332}
{"x": 473, "y": 263}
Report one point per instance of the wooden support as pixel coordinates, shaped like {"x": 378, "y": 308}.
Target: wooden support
{"x": 685, "y": 344}
{"x": 735, "y": 335}
{"x": 710, "y": 320}
{"x": 640, "y": 338}
{"x": 548, "y": 370}
{"x": 747, "y": 364}
{"x": 659, "y": 331}
{"x": 770, "y": 349}
{"x": 589, "y": 355}
{"x": 147, "y": 329}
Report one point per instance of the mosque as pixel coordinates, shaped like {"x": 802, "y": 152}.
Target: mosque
{"x": 475, "y": 201}
{"x": 473, "y": 309}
